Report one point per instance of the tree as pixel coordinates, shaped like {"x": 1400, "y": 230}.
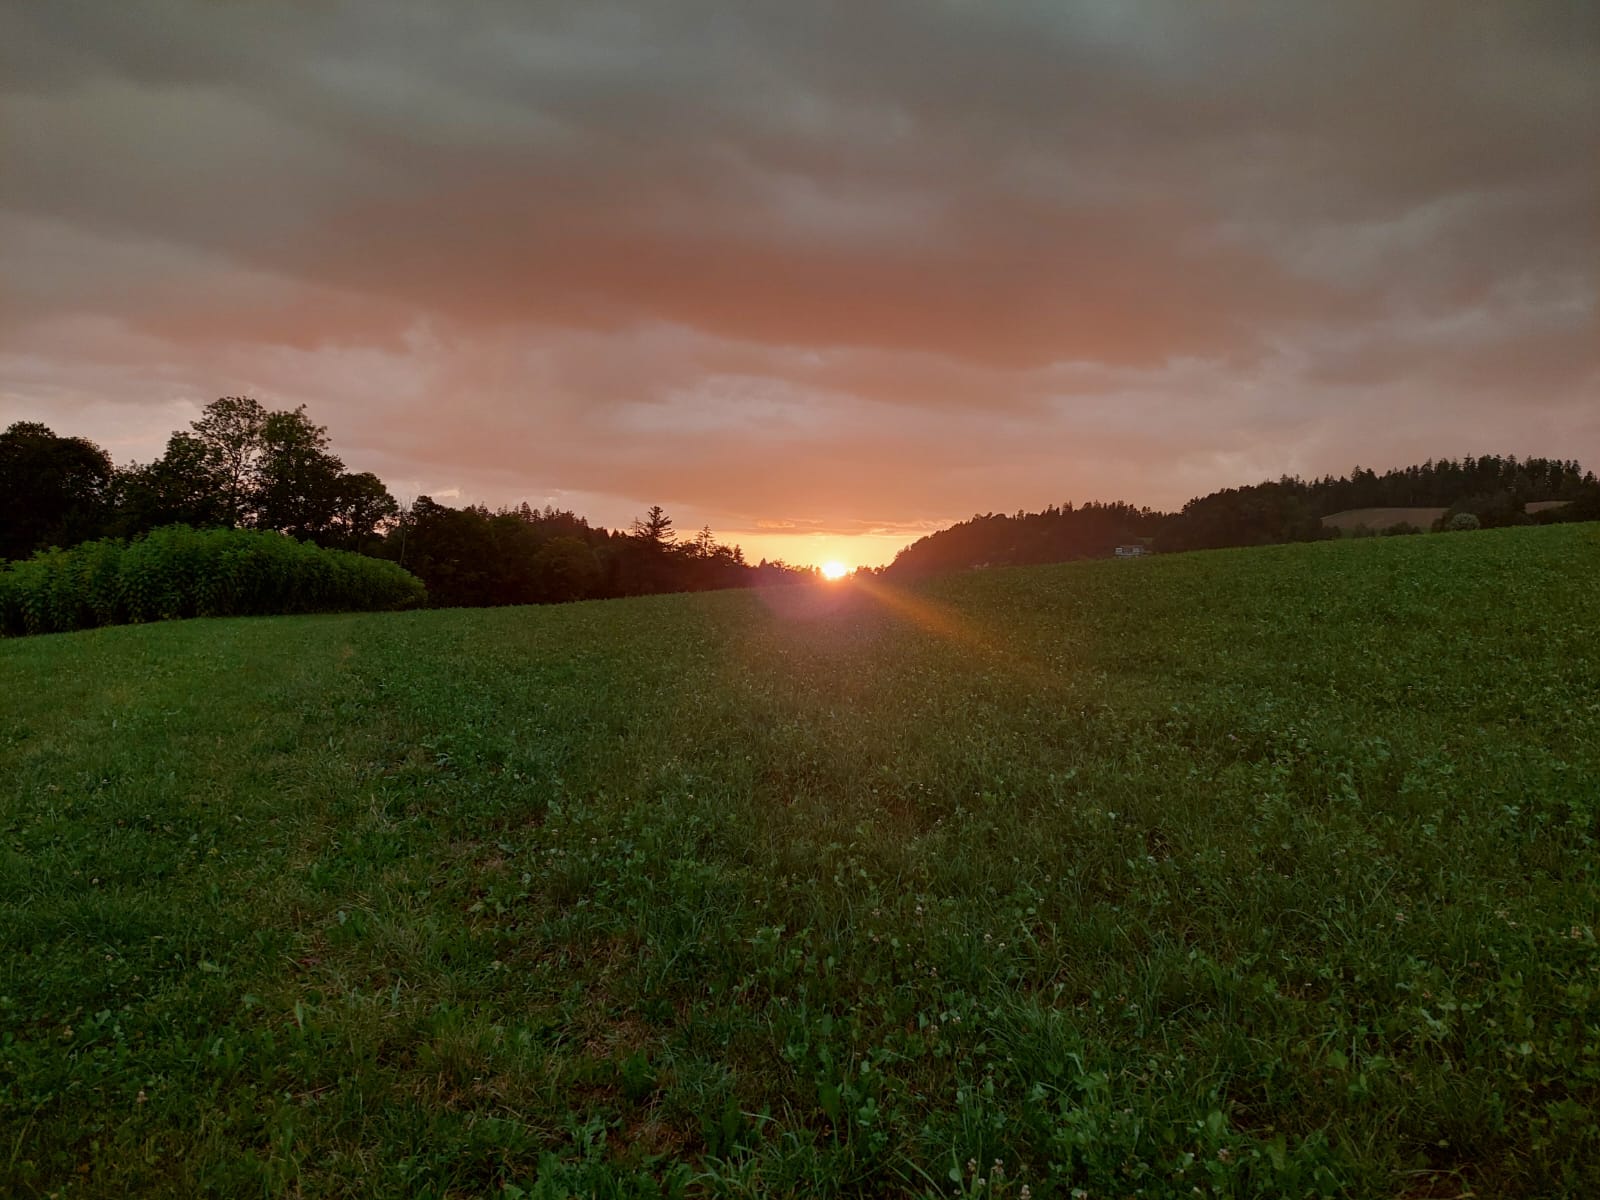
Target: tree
{"x": 54, "y": 491}
{"x": 566, "y": 570}
{"x": 449, "y": 549}
{"x": 296, "y": 479}
{"x": 231, "y": 431}
{"x": 704, "y": 545}
{"x": 181, "y": 487}
{"x": 361, "y": 506}
{"x": 656, "y": 529}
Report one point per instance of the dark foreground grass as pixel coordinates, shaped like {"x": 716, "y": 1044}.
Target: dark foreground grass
{"x": 1251, "y": 873}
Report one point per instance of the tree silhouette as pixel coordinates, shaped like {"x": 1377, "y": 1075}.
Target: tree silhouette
{"x": 230, "y": 430}
{"x": 361, "y": 506}
{"x": 54, "y": 491}
{"x": 296, "y": 479}
{"x": 566, "y": 569}
{"x": 182, "y": 487}
{"x": 656, "y": 528}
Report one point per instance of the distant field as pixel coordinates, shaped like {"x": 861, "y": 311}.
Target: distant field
{"x": 1249, "y": 873}
{"x": 1382, "y": 518}
{"x": 1422, "y": 518}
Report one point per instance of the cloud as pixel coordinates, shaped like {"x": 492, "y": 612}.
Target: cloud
{"x": 851, "y": 269}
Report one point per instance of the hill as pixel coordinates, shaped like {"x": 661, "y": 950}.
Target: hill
{"x": 1497, "y": 490}
{"x": 1265, "y": 872}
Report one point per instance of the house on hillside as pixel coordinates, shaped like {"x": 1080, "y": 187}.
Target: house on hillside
{"x": 1132, "y": 551}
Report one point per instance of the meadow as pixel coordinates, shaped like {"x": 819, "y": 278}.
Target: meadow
{"x": 1247, "y": 873}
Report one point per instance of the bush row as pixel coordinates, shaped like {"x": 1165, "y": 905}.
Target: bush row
{"x": 182, "y": 572}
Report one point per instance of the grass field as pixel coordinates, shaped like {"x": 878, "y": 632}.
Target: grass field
{"x": 1249, "y": 873}
{"x": 1383, "y": 518}
{"x": 1422, "y": 518}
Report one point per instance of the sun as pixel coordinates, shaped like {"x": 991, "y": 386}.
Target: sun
{"x": 834, "y": 570}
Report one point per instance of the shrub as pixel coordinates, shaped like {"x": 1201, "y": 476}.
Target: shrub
{"x": 1463, "y": 521}
{"x": 182, "y": 572}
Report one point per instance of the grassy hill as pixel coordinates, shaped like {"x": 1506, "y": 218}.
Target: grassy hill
{"x": 1266, "y": 872}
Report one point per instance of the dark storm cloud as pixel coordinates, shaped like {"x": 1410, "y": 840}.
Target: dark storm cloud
{"x": 885, "y": 263}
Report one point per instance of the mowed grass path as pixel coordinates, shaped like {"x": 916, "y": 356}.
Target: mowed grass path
{"x": 1266, "y": 872}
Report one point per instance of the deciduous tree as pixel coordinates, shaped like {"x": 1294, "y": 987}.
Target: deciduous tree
{"x": 53, "y": 490}
{"x": 231, "y": 429}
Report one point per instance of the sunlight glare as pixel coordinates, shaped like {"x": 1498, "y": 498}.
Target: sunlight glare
{"x": 834, "y": 570}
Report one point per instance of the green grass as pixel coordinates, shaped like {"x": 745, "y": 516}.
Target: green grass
{"x": 1252, "y": 873}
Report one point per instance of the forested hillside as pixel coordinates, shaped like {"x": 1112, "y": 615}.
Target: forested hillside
{"x": 1494, "y": 489}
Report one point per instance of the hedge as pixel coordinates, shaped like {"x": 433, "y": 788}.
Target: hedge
{"x": 182, "y": 572}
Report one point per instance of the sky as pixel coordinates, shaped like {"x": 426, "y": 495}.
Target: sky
{"x": 822, "y": 276}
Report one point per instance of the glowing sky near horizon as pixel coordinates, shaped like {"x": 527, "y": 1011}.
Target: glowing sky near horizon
{"x": 824, "y": 277}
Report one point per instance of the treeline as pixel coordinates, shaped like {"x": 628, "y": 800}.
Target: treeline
{"x": 1448, "y": 481}
{"x": 471, "y": 556}
{"x": 243, "y": 466}
{"x": 1057, "y": 534}
{"x": 1494, "y": 490}
{"x": 240, "y": 466}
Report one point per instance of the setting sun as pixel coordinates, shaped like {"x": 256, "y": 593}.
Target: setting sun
{"x": 834, "y": 570}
